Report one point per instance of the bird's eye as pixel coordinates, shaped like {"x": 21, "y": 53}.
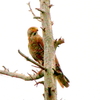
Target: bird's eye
{"x": 34, "y": 33}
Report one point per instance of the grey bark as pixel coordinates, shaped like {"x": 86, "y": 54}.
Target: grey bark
{"x": 49, "y": 52}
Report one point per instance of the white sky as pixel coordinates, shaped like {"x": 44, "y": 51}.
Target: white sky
{"x": 78, "y": 22}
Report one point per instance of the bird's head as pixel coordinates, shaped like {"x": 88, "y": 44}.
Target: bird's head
{"x": 32, "y": 31}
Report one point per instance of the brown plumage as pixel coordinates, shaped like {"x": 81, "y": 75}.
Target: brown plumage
{"x": 36, "y": 49}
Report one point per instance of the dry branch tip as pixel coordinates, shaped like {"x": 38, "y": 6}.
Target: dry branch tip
{"x": 41, "y": 82}
{"x": 37, "y": 17}
{"x": 41, "y": 10}
{"x": 5, "y": 68}
{"x": 57, "y": 42}
{"x": 34, "y": 71}
{"x": 51, "y": 5}
{"x": 43, "y": 29}
{"x": 30, "y": 9}
{"x": 30, "y": 75}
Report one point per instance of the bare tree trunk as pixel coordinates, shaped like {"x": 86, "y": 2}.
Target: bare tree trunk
{"x": 49, "y": 52}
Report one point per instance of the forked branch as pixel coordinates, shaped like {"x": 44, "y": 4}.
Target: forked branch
{"x": 35, "y": 17}
{"x": 57, "y": 42}
{"x": 22, "y": 76}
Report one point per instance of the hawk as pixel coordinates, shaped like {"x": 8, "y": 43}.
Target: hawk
{"x": 36, "y": 49}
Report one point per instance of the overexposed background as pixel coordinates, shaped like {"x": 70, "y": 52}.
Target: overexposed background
{"x": 78, "y": 22}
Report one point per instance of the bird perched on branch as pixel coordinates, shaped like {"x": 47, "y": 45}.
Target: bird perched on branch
{"x": 36, "y": 49}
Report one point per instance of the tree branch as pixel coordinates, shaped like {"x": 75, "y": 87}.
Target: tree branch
{"x": 41, "y": 10}
{"x": 30, "y": 60}
{"x": 33, "y": 12}
{"x": 22, "y": 76}
{"x": 57, "y": 42}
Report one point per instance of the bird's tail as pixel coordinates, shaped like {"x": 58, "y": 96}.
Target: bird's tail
{"x": 62, "y": 79}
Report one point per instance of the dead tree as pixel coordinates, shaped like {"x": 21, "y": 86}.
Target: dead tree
{"x": 50, "y": 90}
{"x": 49, "y": 51}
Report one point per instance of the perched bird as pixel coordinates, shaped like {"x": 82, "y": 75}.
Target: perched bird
{"x": 36, "y": 49}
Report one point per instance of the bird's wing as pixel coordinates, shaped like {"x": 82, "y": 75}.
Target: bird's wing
{"x": 40, "y": 42}
{"x": 62, "y": 79}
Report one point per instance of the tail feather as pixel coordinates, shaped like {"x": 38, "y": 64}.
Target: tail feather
{"x": 63, "y": 80}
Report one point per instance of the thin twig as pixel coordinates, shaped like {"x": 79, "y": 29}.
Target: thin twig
{"x": 32, "y": 11}
{"x": 51, "y": 5}
{"x": 15, "y": 71}
{"x": 43, "y": 29}
{"x": 37, "y": 17}
{"x": 34, "y": 71}
{"x": 5, "y": 68}
{"x": 41, "y": 82}
{"x": 57, "y": 42}
{"x": 30, "y": 75}
{"x": 41, "y": 10}
{"x": 30, "y": 60}
{"x": 35, "y": 66}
